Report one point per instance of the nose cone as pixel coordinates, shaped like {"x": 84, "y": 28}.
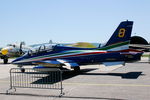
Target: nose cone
{"x": 4, "y": 51}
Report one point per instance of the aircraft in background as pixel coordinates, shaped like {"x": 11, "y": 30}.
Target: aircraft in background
{"x": 115, "y": 51}
{"x": 13, "y": 50}
{"x": 18, "y": 49}
{"x": 140, "y": 46}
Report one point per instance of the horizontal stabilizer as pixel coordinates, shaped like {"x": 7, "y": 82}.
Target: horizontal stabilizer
{"x": 109, "y": 66}
{"x": 113, "y": 63}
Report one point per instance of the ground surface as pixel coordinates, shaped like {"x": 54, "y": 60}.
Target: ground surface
{"x": 131, "y": 82}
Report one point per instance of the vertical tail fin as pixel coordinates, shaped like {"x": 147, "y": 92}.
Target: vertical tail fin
{"x": 121, "y": 36}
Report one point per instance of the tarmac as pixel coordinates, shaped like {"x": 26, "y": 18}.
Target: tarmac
{"x": 130, "y": 82}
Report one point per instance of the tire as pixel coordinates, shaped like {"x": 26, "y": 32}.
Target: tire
{"x": 22, "y": 70}
{"x": 77, "y": 69}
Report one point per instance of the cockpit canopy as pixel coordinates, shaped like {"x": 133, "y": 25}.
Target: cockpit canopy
{"x": 11, "y": 45}
{"x": 42, "y": 48}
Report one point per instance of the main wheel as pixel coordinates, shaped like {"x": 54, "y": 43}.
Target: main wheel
{"x": 76, "y": 69}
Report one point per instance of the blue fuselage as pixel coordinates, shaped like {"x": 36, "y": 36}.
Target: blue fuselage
{"x": 81, "y": 56}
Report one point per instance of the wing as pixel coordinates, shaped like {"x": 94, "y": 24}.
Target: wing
{"x": 56, "y": 63}
{"x": 69, "y": 63}
{"x": 48, "y": 63}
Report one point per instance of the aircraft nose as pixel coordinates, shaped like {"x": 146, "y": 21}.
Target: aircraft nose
{"x": 4, "y": 51}
{"x": 15, "y": 61}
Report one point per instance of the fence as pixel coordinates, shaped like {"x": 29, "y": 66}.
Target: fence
{"x": 47, "y": 79}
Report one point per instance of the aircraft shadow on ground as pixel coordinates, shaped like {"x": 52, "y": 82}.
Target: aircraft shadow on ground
{"x": 128, "y": 75}
{"x": 67, "y": 74}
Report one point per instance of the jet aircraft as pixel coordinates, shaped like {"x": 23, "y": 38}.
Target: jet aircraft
{"x": 115, "y": 50}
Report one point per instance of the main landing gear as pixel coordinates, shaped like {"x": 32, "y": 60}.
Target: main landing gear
{"x": 76, "y": 69}
{"x": 5, "y": 59}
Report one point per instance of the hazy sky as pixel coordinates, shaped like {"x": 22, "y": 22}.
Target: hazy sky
{"x": 38, "y": 21}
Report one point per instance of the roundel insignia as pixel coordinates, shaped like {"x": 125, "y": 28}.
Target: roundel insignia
{"x": 121, "y": 33}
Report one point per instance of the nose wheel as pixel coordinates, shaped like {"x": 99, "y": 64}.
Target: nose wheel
{"x": 22, "y": 69}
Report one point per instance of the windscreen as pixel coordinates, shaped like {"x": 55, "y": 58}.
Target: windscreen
{"x": 42, "y": 48}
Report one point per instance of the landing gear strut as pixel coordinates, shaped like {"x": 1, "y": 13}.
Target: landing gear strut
{"x": 22, "y": 69}
{"x": 5, "y": 60}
